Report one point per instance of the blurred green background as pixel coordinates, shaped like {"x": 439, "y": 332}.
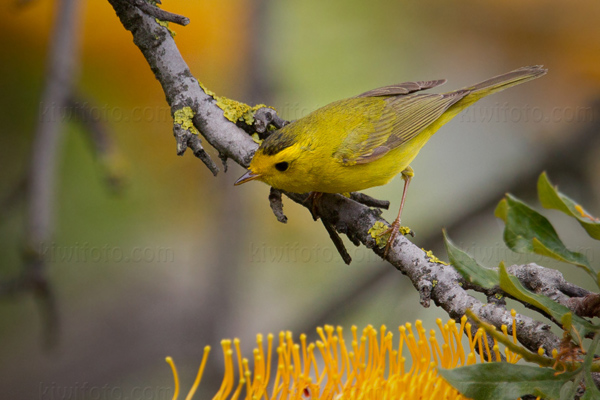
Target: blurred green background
{"x": 179, "y": 259}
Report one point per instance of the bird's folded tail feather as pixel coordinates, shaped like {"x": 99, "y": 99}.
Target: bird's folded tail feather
{"x": 507, "y": 80}
{"x": 494, "y": 85}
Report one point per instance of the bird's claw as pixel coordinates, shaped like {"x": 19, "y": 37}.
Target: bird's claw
{"x": 393, "y": 230}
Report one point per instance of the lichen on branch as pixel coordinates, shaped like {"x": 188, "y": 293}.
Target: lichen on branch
{"x": 235, "y": 111}
{"x": 184, "y": 117}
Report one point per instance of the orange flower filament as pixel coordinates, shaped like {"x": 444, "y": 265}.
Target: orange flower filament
{"x": 371, "y": 366}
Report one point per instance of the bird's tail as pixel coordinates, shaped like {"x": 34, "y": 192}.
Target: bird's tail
{"x": 507, "y": 80}
{"x": 496, "y": 84}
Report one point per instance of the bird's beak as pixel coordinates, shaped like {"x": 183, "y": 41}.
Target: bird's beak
{"x": 247, "y": 177}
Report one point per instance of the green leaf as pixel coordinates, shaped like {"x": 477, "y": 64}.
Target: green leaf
{"x": 505, "y": 381}
{"x": 567, "y": 392}
{"x": 591, "y": 391}
{"x": 527, "y": 231}
{"x": 469, "y": 268}
{"x": 567, "y": 322}
{"x": 551, "y": 198}
{"x": 513, "y": 287}
{"x": 501, "y": 210}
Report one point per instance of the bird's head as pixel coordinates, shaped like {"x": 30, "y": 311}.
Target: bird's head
{"x": 277, "y": 162}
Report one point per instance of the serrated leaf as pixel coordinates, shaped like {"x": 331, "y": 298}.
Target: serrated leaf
{"x": 469, "y": 268}
{"x": 527, "y": 231}
{"x": 505, "y": 381}
{"x": 551, "y": 198}
{"x": 513, "y": 287}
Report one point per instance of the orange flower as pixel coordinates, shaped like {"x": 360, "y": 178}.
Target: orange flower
{"x": 369, "y": 367}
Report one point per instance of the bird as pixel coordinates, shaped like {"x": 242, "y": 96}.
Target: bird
{"x": 366, "y": 140}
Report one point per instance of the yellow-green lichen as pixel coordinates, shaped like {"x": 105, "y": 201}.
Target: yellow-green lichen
{"x": 378, "y": 232}
{"x": 432, "y": 257}
{"x": 434, "y": 283}
{"x": 183, "y": 117}
{"x": 257, "y": 138}
{"x": 499, "y": 296}
{"x": 381, "y": 233}
{"x": 166, "y": 25}
{"x": 234, "y": 110}
{"x": 405, "y": 230}
{"x": 207, "y": 91}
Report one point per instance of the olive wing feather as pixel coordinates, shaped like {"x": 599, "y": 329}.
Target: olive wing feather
{"x": 403, "y": 118}
{"x": 402, "y": 88}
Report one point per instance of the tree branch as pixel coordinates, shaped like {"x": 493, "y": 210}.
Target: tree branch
{"x": 438, "y": 282}
{"x": 60, "y": 74}
{"x": 160, "y": 14}
{"x": 434, "y": 281}
{"x": 181, "y": 88}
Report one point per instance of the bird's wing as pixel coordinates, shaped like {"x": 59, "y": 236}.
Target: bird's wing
{"x": 402, "y": 88}
{"x": 402, "y": 118}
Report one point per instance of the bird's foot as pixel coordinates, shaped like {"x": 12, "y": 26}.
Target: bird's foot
{"x": 393, "y": 231}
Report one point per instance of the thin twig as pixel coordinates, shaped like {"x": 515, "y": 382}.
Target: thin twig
{"x": 265, "y": 117}
{"x": 369, "y": 201}
{"x": 588, "y": 306}
{"x": 159, "y": 13}
{"x": 338, "y": 242}
{"x": 101, "y": 140}
{"x": 277, "y": 205}
{"x": 185, "y": 139}
{"x": 195, "y": 144}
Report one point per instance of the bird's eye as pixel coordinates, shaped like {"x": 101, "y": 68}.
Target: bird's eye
{"x": 281, "y": 166}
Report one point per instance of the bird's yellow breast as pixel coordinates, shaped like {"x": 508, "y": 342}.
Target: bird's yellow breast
{"x": 320, "y": 172}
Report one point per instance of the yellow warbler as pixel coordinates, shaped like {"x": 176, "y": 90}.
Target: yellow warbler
{"x": 366, "y": 140}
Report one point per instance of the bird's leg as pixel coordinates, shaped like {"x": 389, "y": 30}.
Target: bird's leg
{"x": 407, "y": 175}
{"x": 314, "y": 198}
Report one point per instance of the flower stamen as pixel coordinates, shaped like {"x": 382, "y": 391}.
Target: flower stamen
{"x": 374, "y": 369}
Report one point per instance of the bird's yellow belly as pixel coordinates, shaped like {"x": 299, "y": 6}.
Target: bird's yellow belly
{"x": 357, "y": 177}
{"x": 339, "y": 178}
